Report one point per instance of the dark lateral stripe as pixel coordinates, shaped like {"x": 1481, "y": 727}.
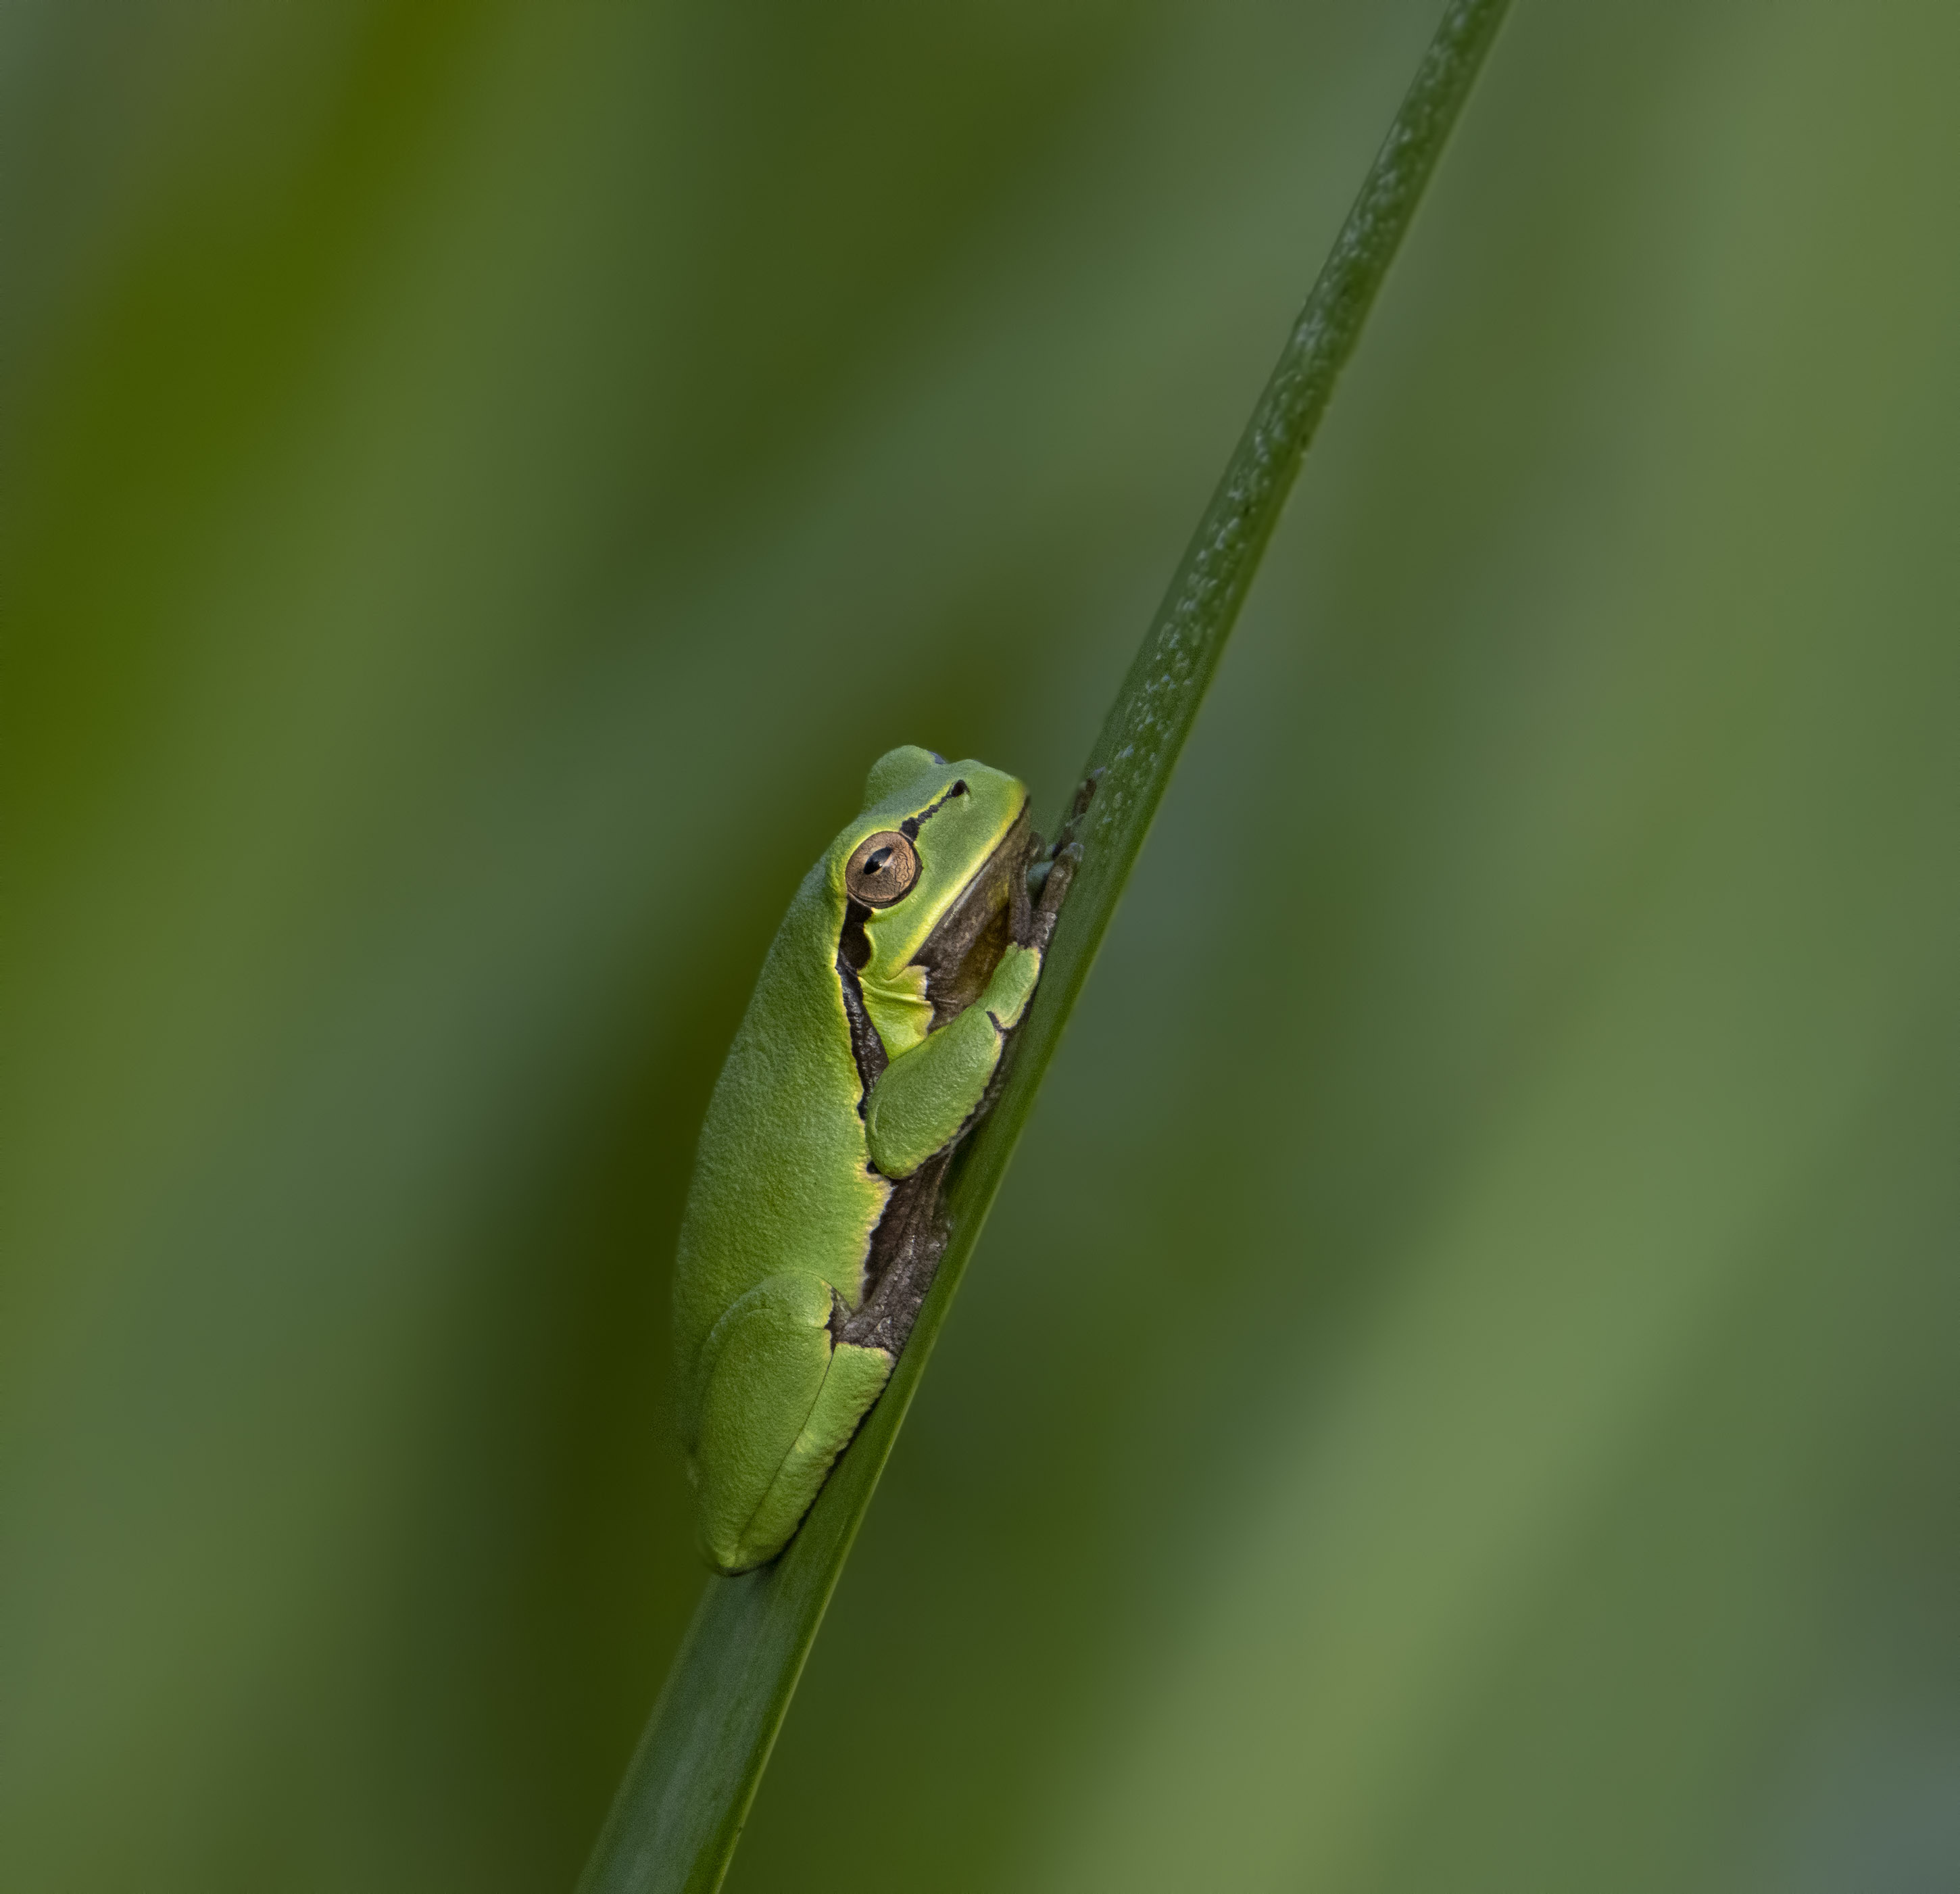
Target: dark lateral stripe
{"x": 866, "y": 1049}
{"x": 909, "y": 828}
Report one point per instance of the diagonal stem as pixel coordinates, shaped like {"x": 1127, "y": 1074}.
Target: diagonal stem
{"x": 680, "y": 1811}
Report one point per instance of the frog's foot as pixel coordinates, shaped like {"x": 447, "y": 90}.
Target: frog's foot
{"x": 780, "y": 1402}
{"x": 1054, "y": 869}
{"x": 1058, "y": 872}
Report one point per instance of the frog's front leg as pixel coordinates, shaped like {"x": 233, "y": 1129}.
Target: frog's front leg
{"x": 924, "y": 1097}
{"x": 780, "y": 1400}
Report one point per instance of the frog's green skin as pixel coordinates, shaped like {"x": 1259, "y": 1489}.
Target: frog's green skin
{"x": 804, "y": 1251}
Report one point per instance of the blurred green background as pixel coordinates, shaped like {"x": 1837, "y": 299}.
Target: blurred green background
{"x": 1459, "y": 1390}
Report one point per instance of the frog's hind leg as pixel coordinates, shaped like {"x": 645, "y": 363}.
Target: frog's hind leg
{"x": 780, "y": 1402}
{"x": 855, "y": 1378}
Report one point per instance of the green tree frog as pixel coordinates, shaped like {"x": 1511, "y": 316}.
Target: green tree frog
{"x": 812, "y": 1226}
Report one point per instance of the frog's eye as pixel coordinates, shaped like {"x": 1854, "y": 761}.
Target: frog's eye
{"x": 882, "y": 869}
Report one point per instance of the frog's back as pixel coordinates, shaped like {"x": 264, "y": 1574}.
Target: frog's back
{"x": 782, "y": 1178}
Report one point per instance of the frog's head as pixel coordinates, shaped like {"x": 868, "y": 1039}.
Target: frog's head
{"x": 931, "y": 873}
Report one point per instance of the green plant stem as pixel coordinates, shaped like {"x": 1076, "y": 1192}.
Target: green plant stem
{"x": 680, "y": 1811}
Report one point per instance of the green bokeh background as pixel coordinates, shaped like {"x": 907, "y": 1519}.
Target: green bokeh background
{"x": 1459, "y": 1390}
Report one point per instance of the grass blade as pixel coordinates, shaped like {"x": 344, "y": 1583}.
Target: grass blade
{"x": 678, "y": 1814}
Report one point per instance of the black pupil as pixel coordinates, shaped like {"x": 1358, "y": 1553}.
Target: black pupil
{"x": 875, "y": 864}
